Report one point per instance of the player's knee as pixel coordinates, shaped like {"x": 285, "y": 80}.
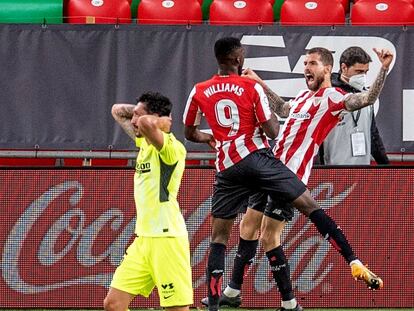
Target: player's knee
{"x": 221, "y": 230}
{"x": 250, "y": 224}
{"x": 249, "y": 230}
{"x": 306, "y": 204}
{"x": 270, "y": 239}
{"x": 270, "y": 233}
{"x": 110, "y": 304}
{"x": 264, "y": 240}
{"x": 220, "y": 237}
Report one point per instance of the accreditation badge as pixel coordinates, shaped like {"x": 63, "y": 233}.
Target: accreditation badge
{"x": 358, "y": 144}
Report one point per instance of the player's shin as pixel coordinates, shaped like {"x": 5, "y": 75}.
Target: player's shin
{"x": 244, "y": 257}
{"x": 281, "y": 272}
{"x": 214, "y": 274}
{"x": 332, "y": 233}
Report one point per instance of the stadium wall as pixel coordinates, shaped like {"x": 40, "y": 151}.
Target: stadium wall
{"x": 64, "y": 231}
{"x": 58, "y": 82}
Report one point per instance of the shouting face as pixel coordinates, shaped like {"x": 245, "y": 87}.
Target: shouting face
{"x": 315, "y": 71}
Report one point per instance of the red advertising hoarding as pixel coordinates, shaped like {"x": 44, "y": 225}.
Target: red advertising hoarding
{"x": 63, "y": 233}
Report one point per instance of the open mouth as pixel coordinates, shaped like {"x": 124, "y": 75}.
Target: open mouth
{"x": 309, "y": 77}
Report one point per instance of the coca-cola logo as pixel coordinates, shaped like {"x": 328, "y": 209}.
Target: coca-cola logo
{"x": 83, "y": 237}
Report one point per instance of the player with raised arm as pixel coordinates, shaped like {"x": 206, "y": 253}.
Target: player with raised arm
{"x": 237, "y": 111}
{"x": 310, "y": 117}
{"x": 161, "y": 233}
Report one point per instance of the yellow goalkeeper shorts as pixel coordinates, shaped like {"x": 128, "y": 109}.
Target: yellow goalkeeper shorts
{"x": 157, "y": 261}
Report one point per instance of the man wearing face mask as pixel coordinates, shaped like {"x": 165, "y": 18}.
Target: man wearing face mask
{"x": 356, "y": 137}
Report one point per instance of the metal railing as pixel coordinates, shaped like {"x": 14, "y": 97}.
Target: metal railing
{"x": 41, "y": 154}
{"x": 109, "y": 154}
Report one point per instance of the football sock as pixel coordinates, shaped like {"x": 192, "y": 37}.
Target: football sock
{"x": 331, "y": 232}
{"x": 214, "y": 273}
{"x": 231, "y": 292}
{"x": 244, "y": 258}
{"x": 281, "y": 272}
{"x": 290, "y": 304}
{"x": 356, "y": 261}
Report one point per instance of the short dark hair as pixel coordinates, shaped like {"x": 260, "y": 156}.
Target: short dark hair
{"x": 324, "y": 54}
{"x": 225, "y": 46}
{"x": 353, "y": 55}
{"x": 156, "y": 103}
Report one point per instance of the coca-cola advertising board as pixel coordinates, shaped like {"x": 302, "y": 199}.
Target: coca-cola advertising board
{"x": 63, "y": 233}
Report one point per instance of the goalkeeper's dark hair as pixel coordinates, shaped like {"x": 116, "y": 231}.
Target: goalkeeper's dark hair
{"x": 156, "y": 103}
{"x": 224, "y": 47}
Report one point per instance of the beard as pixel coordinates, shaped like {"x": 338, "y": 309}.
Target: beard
{"x": 316, "y": 84}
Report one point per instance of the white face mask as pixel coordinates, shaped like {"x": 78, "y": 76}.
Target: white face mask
{"x": 358, "y": 81}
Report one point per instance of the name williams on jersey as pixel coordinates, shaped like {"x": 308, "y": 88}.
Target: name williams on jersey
{"x": 223, "y": 87}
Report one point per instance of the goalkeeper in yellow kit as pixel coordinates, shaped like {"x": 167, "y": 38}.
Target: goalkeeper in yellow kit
{"x": 160, "y": 254}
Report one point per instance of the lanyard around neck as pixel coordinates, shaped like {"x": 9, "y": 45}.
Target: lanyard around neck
{"x": 355, "y": 119}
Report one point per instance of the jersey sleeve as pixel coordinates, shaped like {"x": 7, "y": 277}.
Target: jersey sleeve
{"x": 173, "y": 150}
{"x": 336, "y": 98}
{"x": 192, "y": 113}
{"x": 139, "y": 141}
{"x": 263, "y": 112}
{"x": 291, "y": 103}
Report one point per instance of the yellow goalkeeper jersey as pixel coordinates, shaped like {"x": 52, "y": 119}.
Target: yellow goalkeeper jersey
{"x": 157, "y": 179}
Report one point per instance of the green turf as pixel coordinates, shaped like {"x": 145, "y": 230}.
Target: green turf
{"x": 325, "y": 309}
{"x": 228, "y": 309}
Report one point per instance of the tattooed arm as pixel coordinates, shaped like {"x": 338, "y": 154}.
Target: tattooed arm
{"x": 360, "y": 100}
{"x": 122, "y": 114}
{"x": 277, "y": 104}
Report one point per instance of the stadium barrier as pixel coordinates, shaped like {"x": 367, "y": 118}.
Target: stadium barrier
{"x": 65, "y": 230}
{"x": 110, "y": 158}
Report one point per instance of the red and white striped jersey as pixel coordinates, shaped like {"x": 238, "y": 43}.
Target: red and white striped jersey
{"x": 234, "y": 108}
{"x": 312, "y": 116}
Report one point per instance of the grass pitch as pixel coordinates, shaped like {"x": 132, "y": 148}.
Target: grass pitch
{"x": 227, "y": 309}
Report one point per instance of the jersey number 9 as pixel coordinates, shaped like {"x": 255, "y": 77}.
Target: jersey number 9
{"x": 227, "y": 115}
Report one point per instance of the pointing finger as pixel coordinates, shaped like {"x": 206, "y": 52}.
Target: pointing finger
{"x": 378, "y": 52}
{"x": 387, "y": 52}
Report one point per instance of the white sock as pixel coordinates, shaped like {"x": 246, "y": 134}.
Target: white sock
{"x": 231, "y": 292}
{"x": 356, "y": 261}
{"x": 289, "y": 304}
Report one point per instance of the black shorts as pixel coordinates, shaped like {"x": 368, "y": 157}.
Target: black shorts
{"x": 279, "y": 209}
{"x": 259, "y": 172}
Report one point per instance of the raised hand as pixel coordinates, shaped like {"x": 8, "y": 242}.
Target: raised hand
{"x": 385, "y": 57}
{"x": 164, "y": 123}
{"x": 249, "y": 73}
